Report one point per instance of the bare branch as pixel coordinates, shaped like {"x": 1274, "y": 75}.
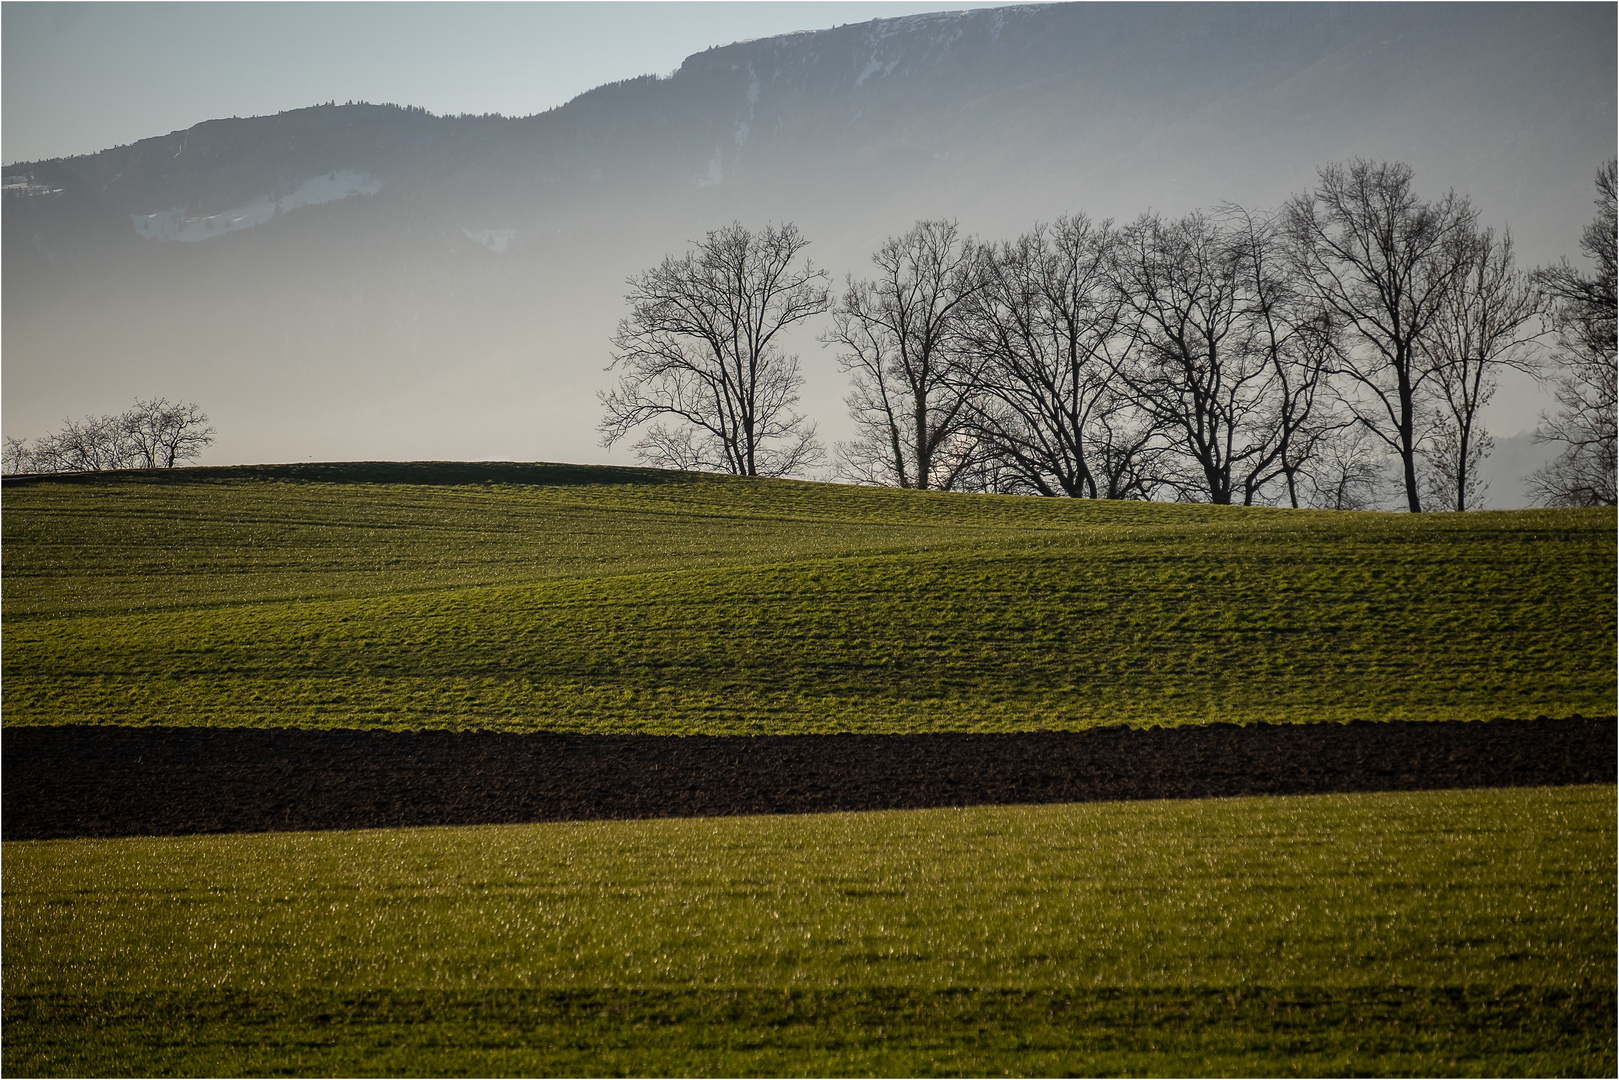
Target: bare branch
{"x": 1582, "y": 310}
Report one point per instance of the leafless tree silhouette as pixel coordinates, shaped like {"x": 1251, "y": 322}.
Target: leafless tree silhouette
{"x": 1383, "y": 262}
{"x": 1209, "y": 361}
{"x": 1582, "y": 311}
{"x": 1048, "y": 331}
{"x": 1486, "y": 322}
{"x": 701, "y": 348}
{"x": 151, "y": 434}
{"x": 899, "y": 333}
{"x": 159, "y": 434}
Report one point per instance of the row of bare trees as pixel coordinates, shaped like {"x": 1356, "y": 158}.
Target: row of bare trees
{"x": 154, "y": 434}
{"x": 1226, "y": 357}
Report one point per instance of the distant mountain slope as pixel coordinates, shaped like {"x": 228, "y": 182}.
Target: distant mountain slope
{"x": 458, "y": 303}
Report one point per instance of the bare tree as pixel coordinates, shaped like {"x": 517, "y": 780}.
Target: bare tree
{"x": 1485, "y": 322}
{"x": 151, "y": 434}
{"x": 22, "y": 456}
{"x": 90, "y": 445}
{"x": 1347, "y": 469}
{"x": 1208, "y": 367}
{"x": 899, "y": 336}
{"x": 1297, "y": 336}
{"x": 700, "y": 347}
{"x": 18, "y": 457}
{"x": 160, "y": 434}
{"x": 1382, "y": 261}
{"x": 1582, "y": 311}
{"x": 1048, "y": 330}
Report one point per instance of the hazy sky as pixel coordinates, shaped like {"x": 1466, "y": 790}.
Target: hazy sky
{"x": 1518, "y": 115}
{"x": 84, "y": 77}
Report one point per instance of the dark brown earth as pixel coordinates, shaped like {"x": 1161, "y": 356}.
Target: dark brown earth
{"x": 113, "y": 781}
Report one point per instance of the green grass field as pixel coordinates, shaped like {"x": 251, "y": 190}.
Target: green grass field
{"x": 1456, "y": 933}
{"x": 1465, "y": 933}
{"x": 575, "y": 599}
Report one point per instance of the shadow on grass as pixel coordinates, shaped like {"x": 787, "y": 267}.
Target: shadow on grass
{"x": 432, "y": 473}
{"x": 1389, "y": 1031}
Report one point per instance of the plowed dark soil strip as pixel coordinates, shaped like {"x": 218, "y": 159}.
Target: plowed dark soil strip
{"x": 110, "y": 781}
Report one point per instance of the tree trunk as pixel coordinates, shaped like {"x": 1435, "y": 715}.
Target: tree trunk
{"x": 1408, "y": 438}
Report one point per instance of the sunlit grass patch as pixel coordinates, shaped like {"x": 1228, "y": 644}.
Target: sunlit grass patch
{"x": 1462, "y": 925}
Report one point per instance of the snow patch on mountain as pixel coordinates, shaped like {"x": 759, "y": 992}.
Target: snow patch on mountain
{"x": 179, "y": 225}
{"x": 23, "y": 185}
{"x": 873, "y": 66}
{"x": 496, "y": 240}
{"x": 916, "y": 42}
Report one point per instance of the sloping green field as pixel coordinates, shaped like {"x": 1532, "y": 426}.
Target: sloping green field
{"x": 573, "y": 598}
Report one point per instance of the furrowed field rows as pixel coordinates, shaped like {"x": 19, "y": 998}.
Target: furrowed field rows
{"x": 679, "y": 608}
{"x": 110, "y": 542}
{"x": 118, "y": 545}
{"x": 1017, "y": 639}
{"x": 1117, "y": 629}
{"x": 125, "y": 548}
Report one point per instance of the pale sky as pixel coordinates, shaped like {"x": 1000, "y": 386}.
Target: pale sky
{"x": 78, "y": 77}
{"x": 1519, "y": 120}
